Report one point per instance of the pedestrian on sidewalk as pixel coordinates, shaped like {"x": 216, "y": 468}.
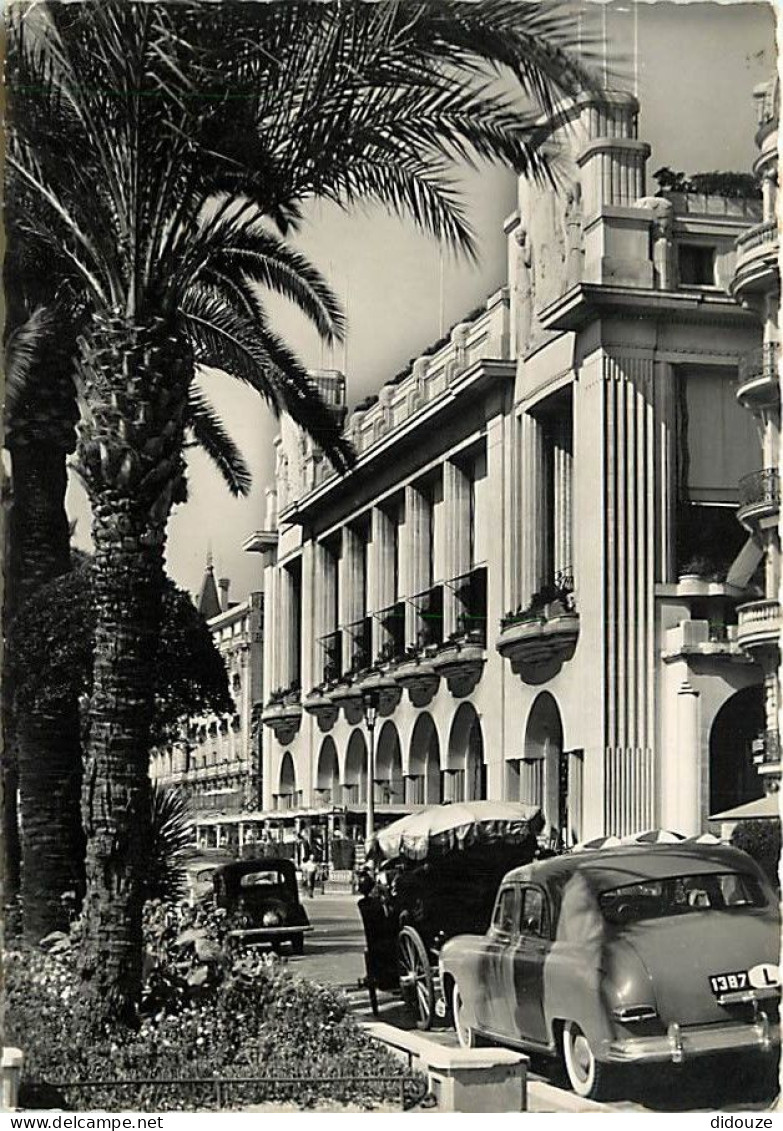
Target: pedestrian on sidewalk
{"x": 310, "y": 872}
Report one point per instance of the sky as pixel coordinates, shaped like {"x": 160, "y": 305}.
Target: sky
{"x": 697, "y": 66}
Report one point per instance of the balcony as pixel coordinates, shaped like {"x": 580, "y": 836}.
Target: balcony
{"x": 417, "y": 675}
{"x": 385, "y": 687}
{"x": 757, "y": 379}
{"x": 758, "y": 626}
{"x": 283, "y": 714}
{"x": 759, "y": 498}
{"x": 756, "y": 269}
{"x": 319, "y": 704}
{"x": 540, "y": 639}
{"x": 460, "y": 661}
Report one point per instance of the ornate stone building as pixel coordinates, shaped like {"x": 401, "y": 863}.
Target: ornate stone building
{"x": 217, "y": 761}
{"x": 756, "y": 285}
{"x": 535, "y": 565}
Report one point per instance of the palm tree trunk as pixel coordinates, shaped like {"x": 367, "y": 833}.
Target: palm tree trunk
{"x": 39, "y": 551}
{"x": 128, "y": 580}
{"x": 134, "y": 380}
{"x": 50, "y": 774}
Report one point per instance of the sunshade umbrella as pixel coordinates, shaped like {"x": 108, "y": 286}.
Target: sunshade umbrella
{"x": 705, "y": 838}
{"x": 655, "y": 836}
{"x": 439, "y": 829}
{"x": 597, "y": 842}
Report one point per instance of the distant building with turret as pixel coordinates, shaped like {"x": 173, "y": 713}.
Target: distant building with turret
{"x": 217, "y": 759}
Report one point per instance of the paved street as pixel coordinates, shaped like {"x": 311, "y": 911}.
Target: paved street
{"x": 334, "y": 953}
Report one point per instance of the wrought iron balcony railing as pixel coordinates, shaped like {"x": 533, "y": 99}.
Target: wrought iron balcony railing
{"x": 360, "y": 633}
{"x": 761, "y": 362}
{"x": 470, "y": 589}
{"x": 332, "y": 645}
{"x": 429, "y": 612}
{"x": 392, "y": 620}
{"x": 760, "y": 489}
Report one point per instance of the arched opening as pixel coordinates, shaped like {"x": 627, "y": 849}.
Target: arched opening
{"x": 465, "y": 777}
{"x": 286, "y": 794}
{"x": 327, "y": 781}
{"x": 543, "y": 770}
{"x": 389, "y": 786}
{"x": 355, "y": 781}
{"x": 423, "y": 783}
{"x": 733, "y": 777}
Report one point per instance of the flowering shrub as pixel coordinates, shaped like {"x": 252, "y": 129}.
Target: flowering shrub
{"x": 207, "y": 1011}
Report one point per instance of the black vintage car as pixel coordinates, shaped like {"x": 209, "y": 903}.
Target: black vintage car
{"x": 261, "y": 899}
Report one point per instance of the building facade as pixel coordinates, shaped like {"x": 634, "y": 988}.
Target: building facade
{"x": 756, "y": 285}
{"x": 217, "y": 761}
{"x": 533, "y": 565}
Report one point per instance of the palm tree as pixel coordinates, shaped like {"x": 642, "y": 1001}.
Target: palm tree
{"x": 191, "y": 130}
{"x": 40, "y": 407}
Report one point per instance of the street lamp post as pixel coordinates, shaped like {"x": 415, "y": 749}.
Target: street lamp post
{"x": 370, "y": 705}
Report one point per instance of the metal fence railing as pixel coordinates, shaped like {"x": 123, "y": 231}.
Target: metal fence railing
{"x": 221, "y": 1092}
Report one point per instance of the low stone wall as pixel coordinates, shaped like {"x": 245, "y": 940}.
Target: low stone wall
{"x": 467, "y": 1080}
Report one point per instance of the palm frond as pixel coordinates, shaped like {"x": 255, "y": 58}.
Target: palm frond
{"x": 212, "y": 438}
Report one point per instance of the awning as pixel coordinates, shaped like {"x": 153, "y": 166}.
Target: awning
{"x": 744, "y": 565}
{"x": 763, "y": 808}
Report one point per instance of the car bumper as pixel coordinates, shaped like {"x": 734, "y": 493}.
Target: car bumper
{"x": 272, "y": 934}
{"x": 680, "y": 1044}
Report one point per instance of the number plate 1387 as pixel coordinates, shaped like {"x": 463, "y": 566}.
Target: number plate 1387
{"x": 760, "y": 977}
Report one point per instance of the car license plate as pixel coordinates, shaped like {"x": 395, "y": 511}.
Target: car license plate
{"x": 757, "y": 978}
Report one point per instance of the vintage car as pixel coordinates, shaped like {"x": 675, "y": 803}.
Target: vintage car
{"x": 629, "y": 955}
{"x": 261, "y": 899}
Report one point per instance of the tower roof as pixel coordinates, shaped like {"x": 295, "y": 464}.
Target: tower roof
{"x": 208, "y": 600}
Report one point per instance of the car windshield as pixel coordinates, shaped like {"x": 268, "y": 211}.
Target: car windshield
{"x": 681, "y": 895}
{"x": 260, "y": 879}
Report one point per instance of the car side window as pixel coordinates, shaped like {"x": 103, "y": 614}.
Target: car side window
{"x": 533, "y": 914}
{"x": 503, "y": 918}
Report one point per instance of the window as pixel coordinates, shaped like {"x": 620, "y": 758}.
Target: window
{"x": 533, "y": 919}
{"x": 503, "y": 919}
{"x": 681, "y": 895}
{"x": 697, "y": 265}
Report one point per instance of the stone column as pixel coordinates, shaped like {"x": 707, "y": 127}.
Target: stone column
{"x": 689, "y": 760}
{"x": 562, "y": 501}
{"x": 351, "y": 583}
{"x": 629, "y": 481}
{"x": 456, "y": 498}
{"x": 533, "y": 502}
{"x": 665, "y": 472}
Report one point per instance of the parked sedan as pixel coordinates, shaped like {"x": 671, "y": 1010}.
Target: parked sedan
{"x": 630, "y": 955}
{"x": 261, "y": 899}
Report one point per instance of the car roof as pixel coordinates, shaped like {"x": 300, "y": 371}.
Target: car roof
{"x": 608, "y": 868}
{"x": 258, "y": 864}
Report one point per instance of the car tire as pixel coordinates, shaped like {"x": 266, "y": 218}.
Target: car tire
{"x": 466, "y": 1034}
{"x": 587, "y": 1076}
{"x": 297, "y": 945}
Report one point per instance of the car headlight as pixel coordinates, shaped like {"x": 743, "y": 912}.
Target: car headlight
{"x": 271, "y": 919}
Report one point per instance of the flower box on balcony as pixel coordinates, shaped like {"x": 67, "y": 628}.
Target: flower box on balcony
{"x": 543, "y": 641}
{"x": 319, "y": 704}
{"x": 460, "y": 661}
{"x": 384, "y": 684}
{"x": 418, "y": 676}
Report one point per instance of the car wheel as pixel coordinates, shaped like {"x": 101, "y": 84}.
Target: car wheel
{"x": 586, "y": 1075}
{"x": 297, "y": 944}
{"x": 466, "y": 1034}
